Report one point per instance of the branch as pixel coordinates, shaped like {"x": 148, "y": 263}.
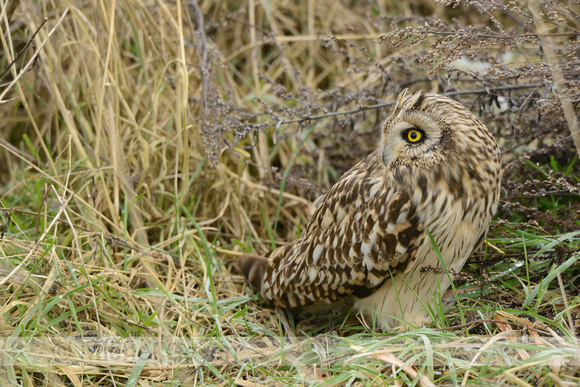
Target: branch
{"x": 203, "y": 38}
{"x": 488, "y": 36}
{"x": 31, "y": 61}
{"x": 559, "y": 81}
{"x": 363, "y": 108}
{"x": 24, "y": 48}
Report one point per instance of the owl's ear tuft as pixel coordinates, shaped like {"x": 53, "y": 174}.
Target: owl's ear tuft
{"x": 253, "y": 267}
{"x": 406, "y": 100}
{"x": 402, "y": 96}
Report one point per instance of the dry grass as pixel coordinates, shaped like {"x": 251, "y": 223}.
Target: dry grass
{"x": 144, "y": 145}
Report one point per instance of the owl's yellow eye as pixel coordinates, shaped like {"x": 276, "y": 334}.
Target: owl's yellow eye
{"x": 413, "y": 135}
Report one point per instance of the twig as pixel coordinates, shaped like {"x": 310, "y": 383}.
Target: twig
{"x": 31, "y": 61}
{"x": 484, "y": 320}
{"x": 8, "y": 220}
{"x": 13, "y": 149}
{"x": 559, "y": 81}
{"x": 203, "y": 67}
{"x": 24, "y": 48}
{"x": 492, "y": 36}
{"x": 404, "y": 366}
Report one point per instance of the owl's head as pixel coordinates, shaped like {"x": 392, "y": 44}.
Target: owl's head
{"x": 411, "y": 135}
{"x": 425, "y": 127}
{"x": 432, "y": 137}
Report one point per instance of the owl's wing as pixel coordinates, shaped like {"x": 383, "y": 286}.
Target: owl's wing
{"x": 361, "y": 233}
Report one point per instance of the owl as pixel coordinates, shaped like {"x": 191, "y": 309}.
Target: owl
{"x": 432, "y": 183}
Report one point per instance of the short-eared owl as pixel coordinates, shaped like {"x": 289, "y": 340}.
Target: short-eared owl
{"x": 436, "y": 170}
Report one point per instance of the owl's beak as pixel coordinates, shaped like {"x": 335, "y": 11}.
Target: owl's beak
{"x": 390, "y": 155}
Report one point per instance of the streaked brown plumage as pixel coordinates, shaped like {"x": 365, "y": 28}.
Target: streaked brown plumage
{"x": 437, "y": 169}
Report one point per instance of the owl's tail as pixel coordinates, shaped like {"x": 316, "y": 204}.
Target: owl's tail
{"x": 253, "y": 267}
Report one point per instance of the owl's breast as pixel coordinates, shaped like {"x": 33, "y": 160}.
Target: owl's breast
{"x": 456, "y": 226}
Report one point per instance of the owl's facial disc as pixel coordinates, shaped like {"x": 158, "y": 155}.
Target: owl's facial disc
{"x": 410, "y": 137}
